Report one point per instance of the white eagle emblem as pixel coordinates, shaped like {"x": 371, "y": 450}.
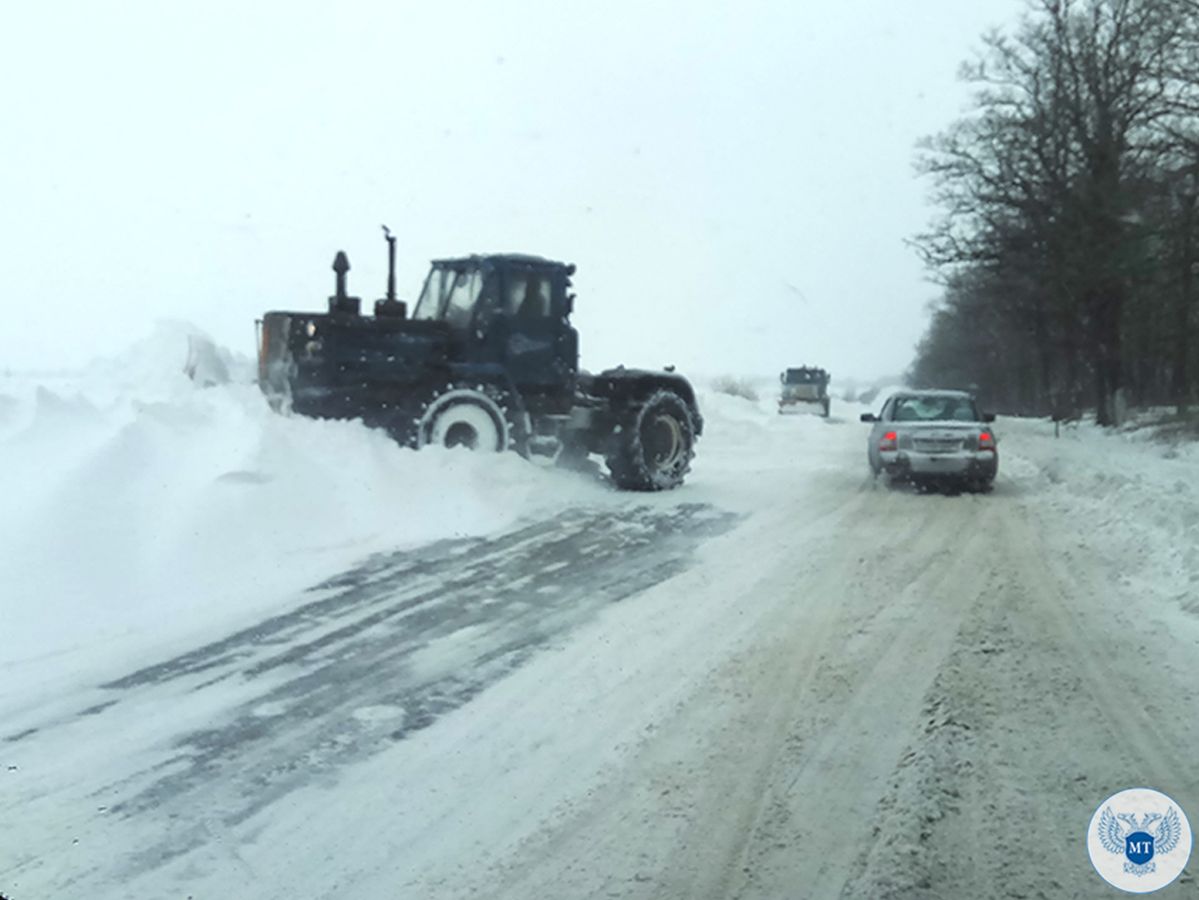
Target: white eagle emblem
{"x": 1122, "y": 834}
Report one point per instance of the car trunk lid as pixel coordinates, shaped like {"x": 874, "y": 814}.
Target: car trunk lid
{"x": 937, "y": 437}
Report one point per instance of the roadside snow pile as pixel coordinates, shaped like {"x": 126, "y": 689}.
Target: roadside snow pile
{"x": 1139, "y": 499}
{"x": 873, "y": 398}
{"x": 734, "y": 386}
{"x": 144, "y": 512}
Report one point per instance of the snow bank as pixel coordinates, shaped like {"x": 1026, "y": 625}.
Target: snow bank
{"x": 144, "y": 512}
{"x": 1137, "y": 498}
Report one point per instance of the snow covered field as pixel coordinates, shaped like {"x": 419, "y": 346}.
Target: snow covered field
{"x": 255, "y": 656}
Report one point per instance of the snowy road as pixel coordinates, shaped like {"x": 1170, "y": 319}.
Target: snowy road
{"x": 382, "y": 651}
{"x": 933, "y": 683}
{"x": 781, "y": 681}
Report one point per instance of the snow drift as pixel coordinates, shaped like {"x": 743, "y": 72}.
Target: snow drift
{"x": 144, "y": 509}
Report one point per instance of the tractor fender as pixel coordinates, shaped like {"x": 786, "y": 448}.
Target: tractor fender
{"x": 498, "y": 377}
{"x": 621, "y": 387}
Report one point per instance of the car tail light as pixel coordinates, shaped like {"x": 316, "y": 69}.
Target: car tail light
{"x": 890, "y": 441}
{"x": 986, "y": 441}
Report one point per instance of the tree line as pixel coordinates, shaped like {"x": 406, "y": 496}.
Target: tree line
{"x": 1067, "y": 228}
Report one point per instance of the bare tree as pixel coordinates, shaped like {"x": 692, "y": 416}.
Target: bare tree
{"x": 1048, "y": 181}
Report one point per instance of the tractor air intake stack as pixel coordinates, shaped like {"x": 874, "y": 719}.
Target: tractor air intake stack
{"x": 390, "y": 306}
{"x": 339, "y": 302}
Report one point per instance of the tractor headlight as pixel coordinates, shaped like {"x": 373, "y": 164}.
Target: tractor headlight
{"x": 310, "y": 329}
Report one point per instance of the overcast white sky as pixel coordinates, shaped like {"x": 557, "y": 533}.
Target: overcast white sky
{"x": 734, "y": 180}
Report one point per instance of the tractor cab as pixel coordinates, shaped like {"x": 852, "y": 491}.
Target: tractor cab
{"x": 506, "y": 309}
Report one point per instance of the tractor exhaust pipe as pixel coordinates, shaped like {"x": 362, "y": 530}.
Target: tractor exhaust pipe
{"x": 391, "y": 263}
{"x": 390, "y": 306}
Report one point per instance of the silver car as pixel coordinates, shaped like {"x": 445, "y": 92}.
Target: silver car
{"x": 933, "y": 437}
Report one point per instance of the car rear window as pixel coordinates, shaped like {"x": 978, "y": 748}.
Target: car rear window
{"x": 935, "y": 409}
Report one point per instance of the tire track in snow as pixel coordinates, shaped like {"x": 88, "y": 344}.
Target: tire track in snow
{"x": 1040, "y": 713}
{"x": 851, "y": 713}
{"x": 778, "y": 760}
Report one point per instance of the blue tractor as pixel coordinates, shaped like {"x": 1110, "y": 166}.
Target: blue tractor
{"x": 488, "y": 360}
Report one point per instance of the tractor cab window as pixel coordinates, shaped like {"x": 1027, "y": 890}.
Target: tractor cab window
{"x": 449, "y": 295}
{"x": 528, "y": 295}
{"x": 460, "y": 299}
{"x": 428, "y": 305}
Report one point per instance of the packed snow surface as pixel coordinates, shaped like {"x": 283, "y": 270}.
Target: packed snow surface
{"x": 255, "y": 655}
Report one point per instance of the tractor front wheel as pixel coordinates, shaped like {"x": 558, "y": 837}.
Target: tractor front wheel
{"x": 464, "y": 417}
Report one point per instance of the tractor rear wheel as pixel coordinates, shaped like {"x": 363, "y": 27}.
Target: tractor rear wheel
{"x": 653, "y": 444}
